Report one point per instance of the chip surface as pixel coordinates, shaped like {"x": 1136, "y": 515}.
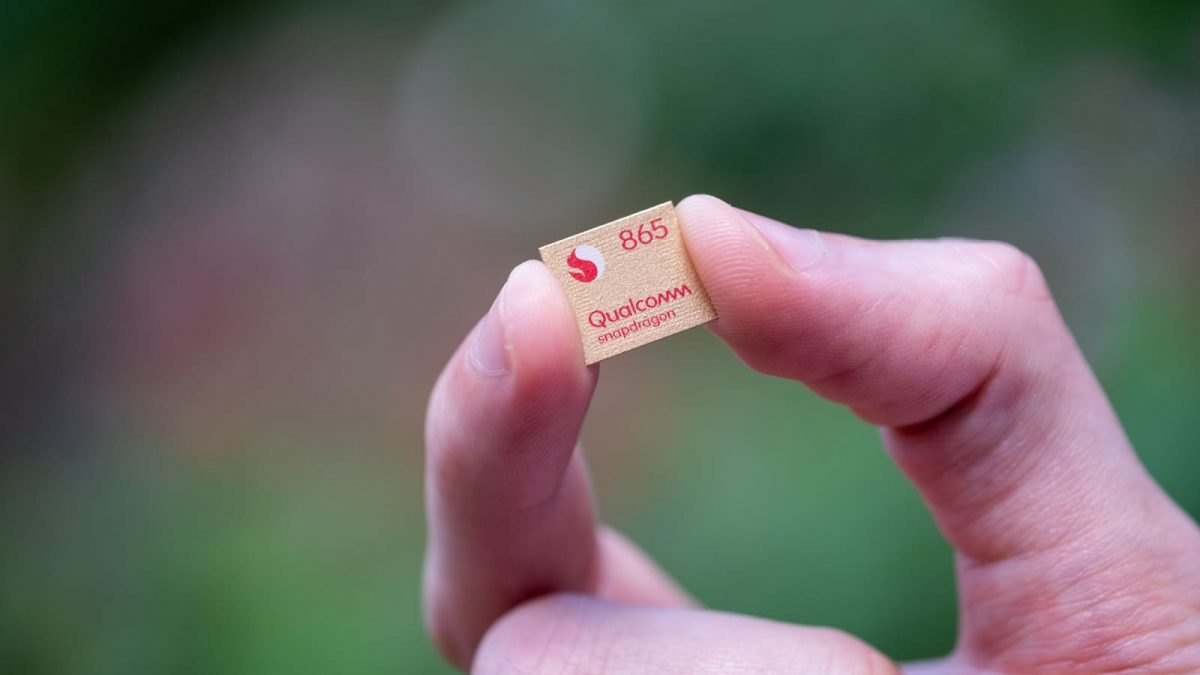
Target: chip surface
{"x": 630, "y": 282}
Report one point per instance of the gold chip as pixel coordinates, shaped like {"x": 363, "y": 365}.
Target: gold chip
{"x": 630, "y": 282}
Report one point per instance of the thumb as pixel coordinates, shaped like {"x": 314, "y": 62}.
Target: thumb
{"x": 580, "y": 634}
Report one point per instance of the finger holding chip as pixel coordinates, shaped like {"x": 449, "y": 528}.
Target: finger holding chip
{"x": 507, "y": 495}
{"x": 953, "y": 348}
{"x": 956, "y": 350}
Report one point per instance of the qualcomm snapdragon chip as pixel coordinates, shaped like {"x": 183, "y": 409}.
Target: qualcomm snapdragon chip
{"x": 630, "y": 282}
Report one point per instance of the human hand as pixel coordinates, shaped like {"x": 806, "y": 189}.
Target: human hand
{"x": 1069, "y": 557}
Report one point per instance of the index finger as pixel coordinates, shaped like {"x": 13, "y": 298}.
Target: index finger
{"x": 957, "y": 350}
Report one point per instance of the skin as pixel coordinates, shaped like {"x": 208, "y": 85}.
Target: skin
{"x": 1069, "y": 557}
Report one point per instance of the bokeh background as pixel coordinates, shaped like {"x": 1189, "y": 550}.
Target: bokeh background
{"x": 241, "y": 236}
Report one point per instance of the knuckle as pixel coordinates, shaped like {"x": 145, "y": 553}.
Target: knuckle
{"x": 1130, "y": 612}
{"x": 1008, "y": 269}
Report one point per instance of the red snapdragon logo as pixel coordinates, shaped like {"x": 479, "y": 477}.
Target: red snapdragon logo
{"x": 586, "y": 263}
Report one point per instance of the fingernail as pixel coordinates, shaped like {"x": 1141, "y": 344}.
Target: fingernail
{"x": 799, "y": 248}
{"x": 489, "y": 347}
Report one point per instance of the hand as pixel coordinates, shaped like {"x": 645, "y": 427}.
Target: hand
{"x": 1069, "y": 557}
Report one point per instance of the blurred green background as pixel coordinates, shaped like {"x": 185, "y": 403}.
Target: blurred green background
{"x": 239, "y": 238}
